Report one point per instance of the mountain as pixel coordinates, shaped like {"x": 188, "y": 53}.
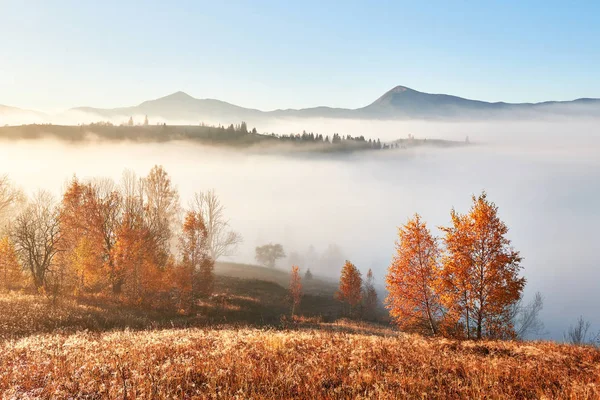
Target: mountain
{"x": 398, "y": 103}
{"x": 403, "y": 102}
{"x": 180, "y": 106}
{"x": 10, "y": 115}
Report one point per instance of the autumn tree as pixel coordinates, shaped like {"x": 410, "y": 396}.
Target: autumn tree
{"x": 161, "y": 210}
{"x": 268, "y": 254}
{"x": 144, "y": 237}
{"x": 369, "y": 295}
{"x": 135, "y": 253}
{"x": 80, "y": 228}
{"x": 36, "y": 238}
{"x": 295, "y": 288}
{"x": 480, "y": 277}
{"x": 412, "y": 298}
{"x": 222, "y": 240}
{"x": 350, "y": 289}
{"x": 11, "y": 273}
{"x": 109, "y": 208}
{"x": 195, "y": 256}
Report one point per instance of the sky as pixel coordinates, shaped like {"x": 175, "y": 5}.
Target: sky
{"x": 274, "y": 54}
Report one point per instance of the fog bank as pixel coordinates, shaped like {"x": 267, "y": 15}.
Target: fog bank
{"x": 544, "y": 178}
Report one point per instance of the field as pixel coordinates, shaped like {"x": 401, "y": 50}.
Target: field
{"x": 240, "y": 347}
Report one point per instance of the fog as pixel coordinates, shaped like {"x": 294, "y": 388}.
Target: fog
{"x": 544, "y": 176}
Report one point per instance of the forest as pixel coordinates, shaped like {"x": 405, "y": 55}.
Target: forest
{"x": 235, "y": 136}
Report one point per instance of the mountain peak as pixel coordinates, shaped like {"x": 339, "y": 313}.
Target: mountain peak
{"x": 179, "y": 96}
{"x": 400, "y": 89}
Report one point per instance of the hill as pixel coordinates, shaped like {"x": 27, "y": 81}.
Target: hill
{"x": 233, "y": 137}
{"x": 238, "y": 345}
{"x": 291, "y": 363}
{"x": 12, "y": 115}
{"x": 244, "y": 294}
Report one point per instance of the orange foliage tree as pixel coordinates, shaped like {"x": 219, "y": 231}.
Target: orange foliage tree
{"x": 81, "y": 236}
{"x": 11, "y": 272}
{"x": 135, "y": 260}
{"x": 295, "y": 288}
{"x": 413, "y": 300}
{"x": 196, "y": 261}
{"x": 141, "y": 252}
{"x": 480, "y": 277}
{"x": 350, "y": 289}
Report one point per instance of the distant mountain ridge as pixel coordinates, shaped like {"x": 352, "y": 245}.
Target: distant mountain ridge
{"x": 400, "y": 102}
{"x": 7, "y": 114}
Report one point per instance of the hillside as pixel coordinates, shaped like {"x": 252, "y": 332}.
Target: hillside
{"x": 244, "y": 294}
{"x": 301, "y": 363}
{"x": 242, "y": 344}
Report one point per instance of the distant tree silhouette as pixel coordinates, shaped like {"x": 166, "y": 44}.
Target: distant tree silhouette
{"x": 308, "y": 275}
{"x": 268, "y": 254}
{"x": 369, "y": 295}
{"x": 295, "y": 288}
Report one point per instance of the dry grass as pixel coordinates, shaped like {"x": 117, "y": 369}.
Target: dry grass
{"x": 75, "y": 350}
{"x": 254, "y": 363}
{"x": 236, "y": 301}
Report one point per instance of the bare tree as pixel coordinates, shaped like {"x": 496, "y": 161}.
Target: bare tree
{"x": 12, "y": 200}
{"x": 222, "y": 241}
{"x": 526, "y": 318}
{"x": 578, "y": 334}
{"x": 35, "y": 235}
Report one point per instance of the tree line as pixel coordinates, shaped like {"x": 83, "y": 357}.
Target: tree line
{"x": 232, "y": 134}
{"x": 132, "y": 241}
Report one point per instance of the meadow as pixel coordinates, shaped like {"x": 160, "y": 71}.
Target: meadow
{"x": 90, "y": 348}
{"x": 226, "y": 362}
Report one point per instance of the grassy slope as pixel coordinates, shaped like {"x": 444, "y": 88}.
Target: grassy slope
{"x": 244, "y": 294}
{"x": 80, "y": 350}
{"x": 255, "y": 363}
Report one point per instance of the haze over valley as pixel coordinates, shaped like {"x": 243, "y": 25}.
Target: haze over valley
{"x": 299, "y": 200}
{"x": 544, "y": 176}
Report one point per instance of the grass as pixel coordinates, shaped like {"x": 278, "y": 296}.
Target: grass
{"x": 239, "y": 346}
{"x": 257, "y": 363}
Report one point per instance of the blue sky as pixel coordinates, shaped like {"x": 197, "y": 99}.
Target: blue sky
{"x": 276, "y": 54}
